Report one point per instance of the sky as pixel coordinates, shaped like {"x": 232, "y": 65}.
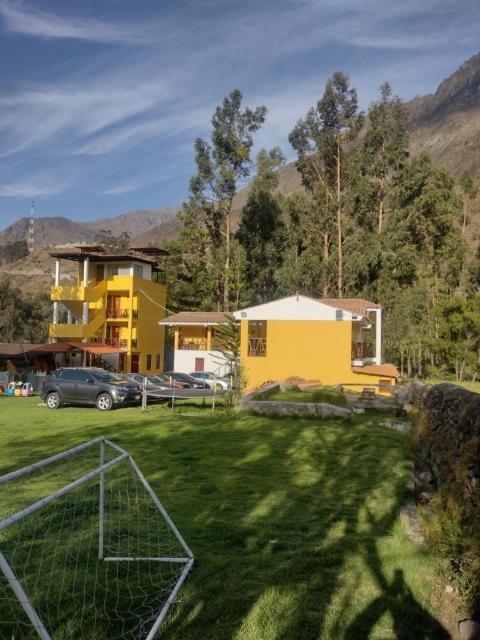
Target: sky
{"x": 101, "y": 100}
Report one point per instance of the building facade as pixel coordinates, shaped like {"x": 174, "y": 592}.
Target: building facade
{"x": 117, "y": 301}
{"x": 195, "y": 345}
{"x": 333, "y": 341}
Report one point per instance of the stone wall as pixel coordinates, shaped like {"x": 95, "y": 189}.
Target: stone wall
{"x": 448, "y": 437}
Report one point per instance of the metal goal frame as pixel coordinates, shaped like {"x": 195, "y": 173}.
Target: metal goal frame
{"x": 101, "y": 470}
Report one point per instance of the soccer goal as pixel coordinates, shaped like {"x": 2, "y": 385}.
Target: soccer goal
{"x": 87, "y": 549}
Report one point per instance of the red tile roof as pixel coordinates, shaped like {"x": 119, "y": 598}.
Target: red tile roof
{"x": 357, "y": 306}
{"x": 387, "y": 370}
{"x": 196, "y": 317}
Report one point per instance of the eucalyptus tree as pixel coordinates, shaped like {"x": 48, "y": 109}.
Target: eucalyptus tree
{"x": 223, "y": 163}
{"x": 384, "y": 150}
{"x": 261, "y": 228}
{"x": 323, "y": 142}
{"x": 469, "y": 191}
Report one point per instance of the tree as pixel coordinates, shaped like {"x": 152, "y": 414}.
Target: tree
{"x": 221, "y": 166}
{"x": 116, "y": 245}
{"x": 23, "y": 319}
{"x": 261, "y": 229}
{"x": 385, "y": 147}
{"x": 323, "y": 144}
{"x": 469, "y": 191}
{"x": 459, "y": 330}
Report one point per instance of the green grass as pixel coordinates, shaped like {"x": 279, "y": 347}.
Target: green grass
{"x": 466, "y": 384}
{"x": 293, "y": 522}
{"x": 312, "y": 394}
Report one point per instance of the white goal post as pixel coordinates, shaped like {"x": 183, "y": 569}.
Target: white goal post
{"x": 118, "y": 521}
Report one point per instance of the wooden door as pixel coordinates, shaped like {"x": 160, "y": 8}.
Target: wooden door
{"x": 99, "y": 272}
{"x": 199, "y": 364}
{"x": 135, "y": 366}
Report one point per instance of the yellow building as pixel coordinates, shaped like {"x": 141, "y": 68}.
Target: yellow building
{"x": 333, "y": 341}
{"x": 116, "y": 301}
{"x": 195, "y": 347}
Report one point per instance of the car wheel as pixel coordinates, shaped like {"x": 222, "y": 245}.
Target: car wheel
{"x": 53, "y": 400}
{"x": 104, "y": 402}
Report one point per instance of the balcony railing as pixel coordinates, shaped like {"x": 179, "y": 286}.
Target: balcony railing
{"x": 187, "y": 344}
{"x": 120, "y": 343}
{"x": 117, "y": 314}
{"x": 362, "y": 350}
{"x": 257, "y": 347}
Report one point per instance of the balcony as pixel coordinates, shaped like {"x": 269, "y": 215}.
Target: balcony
{"x": 68, "y": 293}
{"x": 362, "y": 352}
{"x": 192, "y": 344}
{"x": 119, "y": 343}
{"x": 134, "y": 345}
{"x": 78, "y": 331}
{"x": 121, "y": 314}
{"x": 257, "y": 347}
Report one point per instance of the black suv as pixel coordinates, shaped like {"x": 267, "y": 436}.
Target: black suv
{"x": 88, "y": 386}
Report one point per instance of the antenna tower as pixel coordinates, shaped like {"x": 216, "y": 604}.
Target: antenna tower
{"x": 31, "y": 229}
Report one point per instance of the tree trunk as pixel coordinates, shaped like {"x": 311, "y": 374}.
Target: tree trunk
{"x": 326, "y": 287}
{"x": 381, "y": 206}
{"x": 226, "y": 285}
{"x": 464, "y": 225}
{"x": 339, "y": 224}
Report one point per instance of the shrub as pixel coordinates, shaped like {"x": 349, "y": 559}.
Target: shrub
{"x": 329, "y": 396}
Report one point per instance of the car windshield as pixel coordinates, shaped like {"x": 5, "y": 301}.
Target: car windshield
{"x": 154, "y": 379}
{"x": 106, "y": 376}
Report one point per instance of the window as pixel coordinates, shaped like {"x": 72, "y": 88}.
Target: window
{"x": 338, "y": 314}
{"x": 149, "y": 362}
{"x": 158, "y": 360}
{"x": 138, "y": 271}
{"x": 118, "y": 269}
{"x": 84, "y": 376}
{"x": 69, "y": 375}
{"x": 257, "y": 338}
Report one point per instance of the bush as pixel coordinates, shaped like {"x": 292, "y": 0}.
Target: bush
{"x": 329, "y": 396}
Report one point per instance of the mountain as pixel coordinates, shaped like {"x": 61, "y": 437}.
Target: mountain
{"x": 447, "y": 123}
{"x": 50, "y": 231}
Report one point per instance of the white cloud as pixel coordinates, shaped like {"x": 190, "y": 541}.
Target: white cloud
{"x": 32, "y": 188}
{"x": 30, "y": 21}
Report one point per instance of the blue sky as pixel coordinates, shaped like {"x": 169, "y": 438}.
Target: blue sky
{"x": 100, "y": 100}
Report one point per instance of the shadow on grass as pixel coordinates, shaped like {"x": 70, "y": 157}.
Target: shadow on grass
{"x": 284, "y": 517}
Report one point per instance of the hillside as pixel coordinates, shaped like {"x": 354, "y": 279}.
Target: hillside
{"x": 50, "y": 231}
{"x": 447, "y": 123}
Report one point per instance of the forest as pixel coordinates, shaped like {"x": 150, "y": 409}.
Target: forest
{"x": 372, "y": 221}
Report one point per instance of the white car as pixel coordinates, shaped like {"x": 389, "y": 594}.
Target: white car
{"x": 211, "y": 380}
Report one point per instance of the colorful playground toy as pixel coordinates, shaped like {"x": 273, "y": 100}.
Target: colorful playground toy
{"x": 18, "y": 389}
{"x": 11, "y": 389}
{"x": 27, "y": 390}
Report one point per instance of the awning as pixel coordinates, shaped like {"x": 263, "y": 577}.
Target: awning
{"x": 96, "y": 348}
{"x": 51, "y": 347}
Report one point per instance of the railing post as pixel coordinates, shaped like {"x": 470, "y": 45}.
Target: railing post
{"x": 102, "y": 503}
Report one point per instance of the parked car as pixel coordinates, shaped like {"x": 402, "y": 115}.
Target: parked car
{"x": 151, "y": 384}
{"x": 211, "y": 380}
{"x": 190, "y": 383}
{"x": 88, "y": 386}
{"x": 170, "y": 382}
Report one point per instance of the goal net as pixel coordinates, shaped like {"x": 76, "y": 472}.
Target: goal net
{"x": 86, "y": 549}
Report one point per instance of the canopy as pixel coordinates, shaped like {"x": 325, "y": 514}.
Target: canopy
{"x": 97, "y": 348}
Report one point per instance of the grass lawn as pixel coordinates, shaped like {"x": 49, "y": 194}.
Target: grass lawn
{"x": 293, "y": 522}
{"x": 311, "y": 394}
{"x": 466, "y": 384}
